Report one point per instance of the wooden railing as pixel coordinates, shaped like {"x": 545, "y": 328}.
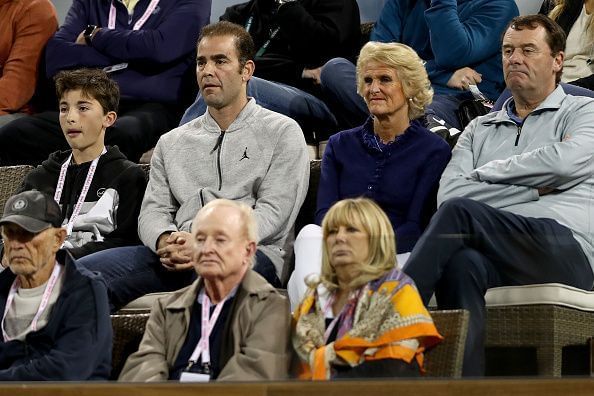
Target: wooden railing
{"x": 421, "y": 387}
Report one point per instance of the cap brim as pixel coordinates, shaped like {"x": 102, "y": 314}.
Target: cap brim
{"x": 28, "y": 223}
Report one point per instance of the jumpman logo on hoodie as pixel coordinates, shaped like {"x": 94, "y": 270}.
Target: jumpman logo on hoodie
{"x": 245, "y": 156}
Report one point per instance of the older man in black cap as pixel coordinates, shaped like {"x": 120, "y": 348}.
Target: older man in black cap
{"x": 55, "y": 315}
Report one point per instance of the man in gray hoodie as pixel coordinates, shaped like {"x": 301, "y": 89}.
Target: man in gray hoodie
{"x": 237, "y": 150}
{"x": 516, "y": 198}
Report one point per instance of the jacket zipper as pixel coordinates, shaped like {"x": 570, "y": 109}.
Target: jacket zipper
{"x": 218, "y": 148}
{"x": 518, "y": 134}
{"x": 201, "y": 197}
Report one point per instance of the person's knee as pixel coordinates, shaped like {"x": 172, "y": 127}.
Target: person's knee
{"x": 310, "y": 231}
{"x": 334, "y": 70}
{"x": 13, "y": 129}
{"x": 449, "y": 213}
{"x": 457, "y": 207}
{"x": 8, "y": 118}
{"x": 196, "y": 109}
{"x": 311, "y": 113}
{"x": 308, "y": 249}
{"x": 457, "y": 203}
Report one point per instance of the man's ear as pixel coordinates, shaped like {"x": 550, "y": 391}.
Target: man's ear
{"x": 558, "y": 61}
{"x": 60, "y": 236}
{"x": 251, "y": 250}
{"x": 109, "y": 119}
{"x": 248, "y": 70}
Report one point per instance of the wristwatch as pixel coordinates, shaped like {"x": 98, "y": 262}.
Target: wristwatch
{"x": 280, "y": 3}
{"x": 88, "y": 33}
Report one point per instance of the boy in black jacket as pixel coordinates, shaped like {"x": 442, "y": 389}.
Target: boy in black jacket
{"x": 98, "y": 189}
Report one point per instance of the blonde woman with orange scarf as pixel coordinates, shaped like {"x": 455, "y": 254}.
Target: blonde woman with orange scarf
{"x": 362, "y": 317}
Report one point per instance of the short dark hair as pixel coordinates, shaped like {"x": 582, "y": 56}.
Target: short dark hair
{"x": 244, "y": 45}
{"x": 555, "y": 36}
{"x": 94, "y": 83}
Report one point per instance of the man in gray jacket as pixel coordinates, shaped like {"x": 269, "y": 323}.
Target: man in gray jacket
{"x": 516, "y": 198}
{"x": 237, "y": 150}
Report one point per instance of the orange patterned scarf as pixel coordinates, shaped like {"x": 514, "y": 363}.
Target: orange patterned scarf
{"x": 387, "y": 321}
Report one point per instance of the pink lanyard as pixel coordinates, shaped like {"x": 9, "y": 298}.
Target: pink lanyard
{"x": 44, "y": 299}
{"x": 149, "y": 10}
{"x": 84, "y": 191}
{"x": 203, "y": 347}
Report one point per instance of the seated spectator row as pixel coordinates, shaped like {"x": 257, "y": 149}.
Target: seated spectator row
{"x": 317, "y": 77}
{"x": 498, "y": 222}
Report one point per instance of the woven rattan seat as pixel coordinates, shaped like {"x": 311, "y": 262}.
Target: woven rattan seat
{"x": 546, "y": 317}
{"x": 445, "y": 360}
{"x": 128, "y": 330}
{"x": 11, "y": 178}
{"x": 546, "y": 327}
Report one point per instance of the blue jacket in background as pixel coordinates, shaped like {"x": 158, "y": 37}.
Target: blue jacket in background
{"x": 401, "y": 177}
{"x": 75, "y": 344}
{"x": 450, "y": 35}
{"x": 159, "y": 55}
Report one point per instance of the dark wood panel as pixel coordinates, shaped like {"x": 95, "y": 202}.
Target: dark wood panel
{"x": 421, "y": 387}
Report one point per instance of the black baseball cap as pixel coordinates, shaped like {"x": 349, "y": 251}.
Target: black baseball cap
{"x": 33, "y": 210}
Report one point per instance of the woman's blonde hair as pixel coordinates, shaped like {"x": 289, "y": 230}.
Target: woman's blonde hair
{"x": 364, "y": 213}
{"x": 409, "y": 69}
{"x": 560, "y": 7}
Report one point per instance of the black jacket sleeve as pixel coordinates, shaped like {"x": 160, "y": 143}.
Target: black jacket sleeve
{"x": 237, "y": 13}
{"x": 320, "y": 30}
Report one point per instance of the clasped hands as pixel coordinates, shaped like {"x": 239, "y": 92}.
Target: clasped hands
{"x": 175, "y": 251}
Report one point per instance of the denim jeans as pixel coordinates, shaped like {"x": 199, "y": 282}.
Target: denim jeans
{"x": 133, "y": 271}
{"x": 339, "y": 85}
{"x": 311, "y": 113}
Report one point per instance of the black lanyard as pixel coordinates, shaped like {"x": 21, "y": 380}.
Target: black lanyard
{"x": 264, "y": 47}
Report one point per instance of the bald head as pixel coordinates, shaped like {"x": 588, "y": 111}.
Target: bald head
{"x": 245, "y": 213}
{"x": 224, "y": 235}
